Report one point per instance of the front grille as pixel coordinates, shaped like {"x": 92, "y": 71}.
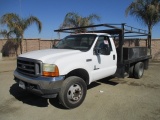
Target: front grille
{"x": 29, "y": 67}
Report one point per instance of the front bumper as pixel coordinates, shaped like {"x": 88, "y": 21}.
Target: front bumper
{"x": 47, "y": 87}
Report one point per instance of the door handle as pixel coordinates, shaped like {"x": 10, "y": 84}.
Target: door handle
{"x": 114, "y": 57}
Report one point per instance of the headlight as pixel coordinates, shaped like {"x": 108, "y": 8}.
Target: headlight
{"x": 50, "y": 70}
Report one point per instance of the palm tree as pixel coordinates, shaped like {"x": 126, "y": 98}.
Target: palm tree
{"x": 147, "y": 11}
{"x": 19, "y": 25}
{"x": 9, "y": 35}
{"x": 4, "y": 33}
{"x": 75, "y": 20}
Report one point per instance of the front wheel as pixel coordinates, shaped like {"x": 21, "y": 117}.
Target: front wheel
{"x": 73, "y": 92}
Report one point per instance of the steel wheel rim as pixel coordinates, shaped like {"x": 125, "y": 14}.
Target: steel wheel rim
{"x": 74, "y": 93}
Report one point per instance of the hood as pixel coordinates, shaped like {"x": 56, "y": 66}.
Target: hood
{"x": 48, "y": 54}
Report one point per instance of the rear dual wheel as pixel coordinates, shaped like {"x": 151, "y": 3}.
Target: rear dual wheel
{"x": 137, "y": 70}
{"x": 131, "y": 71}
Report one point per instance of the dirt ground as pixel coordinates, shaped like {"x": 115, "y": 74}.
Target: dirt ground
{"x": 107, "y": 99}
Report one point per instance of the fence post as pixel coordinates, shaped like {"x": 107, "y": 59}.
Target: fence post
{"x": 39, "y": 44}
{"x": 26, "y": 45}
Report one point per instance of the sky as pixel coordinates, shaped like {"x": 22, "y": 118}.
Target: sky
{"x": 52, "y": 12}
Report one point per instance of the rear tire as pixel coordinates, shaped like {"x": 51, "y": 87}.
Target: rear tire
{"x": 73, "y": 92}
{"x": 131, "y": 71}
{"x": 138, "y": 70}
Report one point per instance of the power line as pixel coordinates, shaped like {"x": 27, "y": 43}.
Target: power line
{"x": 20, "y": 7}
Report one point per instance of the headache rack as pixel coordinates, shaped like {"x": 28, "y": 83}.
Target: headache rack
{"x": 120, "y": 31}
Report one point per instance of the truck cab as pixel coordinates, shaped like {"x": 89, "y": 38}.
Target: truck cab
{"x": 97, "y": 55}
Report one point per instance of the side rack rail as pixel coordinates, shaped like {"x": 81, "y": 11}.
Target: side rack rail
{"x": 121, "y": 31}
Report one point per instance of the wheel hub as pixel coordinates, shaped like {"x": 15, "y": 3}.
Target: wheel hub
{"x": 74, "y": 92}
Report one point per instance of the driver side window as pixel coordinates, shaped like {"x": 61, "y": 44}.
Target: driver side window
{"x": 99, "y": 42}
{"x": 103, "y": 42}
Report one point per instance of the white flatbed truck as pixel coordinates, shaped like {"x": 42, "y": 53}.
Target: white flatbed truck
{"x": 80, "y": 59}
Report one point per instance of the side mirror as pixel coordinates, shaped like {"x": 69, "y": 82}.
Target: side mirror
{"x": 96, "y": 51}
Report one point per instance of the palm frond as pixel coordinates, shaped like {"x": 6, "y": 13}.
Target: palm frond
{"x": 10, "y": 20}
{"x": 4, "y": 33}
{"x": 147, "y": 11}
{"x": 75, "y": 20}
{"x": 18, "y": 25}
{"x": 31, "y": 20}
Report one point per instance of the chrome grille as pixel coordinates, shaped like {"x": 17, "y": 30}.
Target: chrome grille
{"x": 29, "y": 67}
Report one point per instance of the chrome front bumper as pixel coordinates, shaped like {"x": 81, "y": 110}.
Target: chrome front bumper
{"x": 47, "y": 87}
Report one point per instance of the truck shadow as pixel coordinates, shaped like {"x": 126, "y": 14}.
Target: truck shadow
{"x": 27, "y": 97}
{"x": 31, "y": 99}
{"x": 55, "y": 102}
{"x": 109, "y": 81}
{"x": 106, "y": 80}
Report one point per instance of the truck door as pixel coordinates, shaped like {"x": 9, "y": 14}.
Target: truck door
{"x": 104, "y": 65}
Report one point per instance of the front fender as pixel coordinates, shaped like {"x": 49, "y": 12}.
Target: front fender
{"x": 64, "y": 70}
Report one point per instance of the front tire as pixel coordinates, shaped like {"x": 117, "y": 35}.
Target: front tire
{"x": 73, "y": 92}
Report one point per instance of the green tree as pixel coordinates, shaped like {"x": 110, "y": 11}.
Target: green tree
{"x": 75, "y": 20}
{"x": 18, "y": 25}
{"x": 146, "y": 11}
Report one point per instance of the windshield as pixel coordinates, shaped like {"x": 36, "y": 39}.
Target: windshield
{"x": 81, "y": 42}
